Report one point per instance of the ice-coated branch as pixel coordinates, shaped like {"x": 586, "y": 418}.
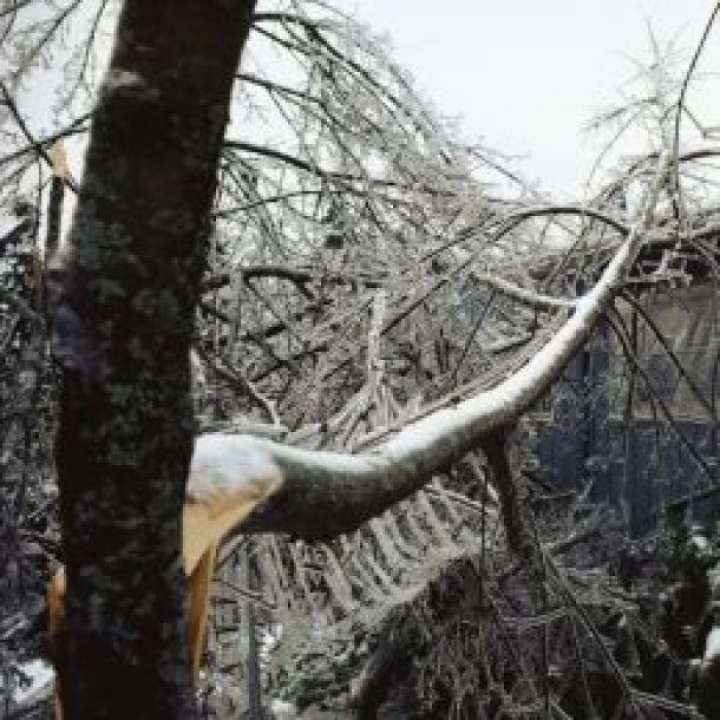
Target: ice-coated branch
{"x": 324, "y": 494}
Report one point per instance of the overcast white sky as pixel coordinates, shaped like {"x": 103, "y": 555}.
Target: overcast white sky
{"x": 525, "y": 76}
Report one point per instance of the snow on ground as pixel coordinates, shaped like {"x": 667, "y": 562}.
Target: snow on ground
{"x": 40, "y": 674}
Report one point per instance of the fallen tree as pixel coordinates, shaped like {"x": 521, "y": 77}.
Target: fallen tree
{"x": 117, "y": 281}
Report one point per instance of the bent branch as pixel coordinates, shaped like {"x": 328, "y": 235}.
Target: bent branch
{"x": 325, "y": 494}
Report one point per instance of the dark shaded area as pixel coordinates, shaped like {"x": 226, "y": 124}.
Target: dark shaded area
{"x": 642, "y": 465}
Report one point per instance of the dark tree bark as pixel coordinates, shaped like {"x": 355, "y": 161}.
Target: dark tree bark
{"x": 123, "y": 300}
{"x": 512, "y": 504}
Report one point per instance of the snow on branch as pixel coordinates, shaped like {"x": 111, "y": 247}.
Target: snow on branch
{"x": 324, "y": 494}
{"x": 523, "y": 295}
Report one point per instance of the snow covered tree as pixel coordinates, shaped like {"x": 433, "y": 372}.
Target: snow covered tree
{"x": 379, "y": 310}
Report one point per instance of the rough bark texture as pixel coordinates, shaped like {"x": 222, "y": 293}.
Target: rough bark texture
{"x": 124, "y": 293}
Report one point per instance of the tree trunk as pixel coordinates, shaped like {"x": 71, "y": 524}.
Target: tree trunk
{"x": 124, "y": 294}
